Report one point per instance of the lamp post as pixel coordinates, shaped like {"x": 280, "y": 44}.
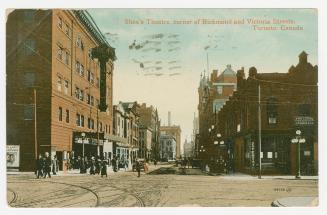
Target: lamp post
{"x": 298, "y": 139}
{"x": 83, "y": 136}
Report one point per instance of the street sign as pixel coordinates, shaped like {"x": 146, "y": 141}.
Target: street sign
{"x": 304, "y": 120}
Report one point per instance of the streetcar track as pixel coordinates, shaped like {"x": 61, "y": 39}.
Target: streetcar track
{"x": 15, "y": 196}
{"x": 73, "y": 185}
{"x": 47, "y": 201}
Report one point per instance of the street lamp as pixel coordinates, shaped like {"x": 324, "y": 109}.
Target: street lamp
{"x": 83, "y": 136}
{"x": 298, "y": 139}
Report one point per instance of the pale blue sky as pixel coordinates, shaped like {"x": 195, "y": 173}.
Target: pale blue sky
{"x": 238, "y": 45}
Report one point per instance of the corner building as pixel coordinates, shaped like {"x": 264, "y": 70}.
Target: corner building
{"x": 59, "y": 85}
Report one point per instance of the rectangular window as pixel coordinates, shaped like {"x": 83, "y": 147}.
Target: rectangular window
{"x": 30, "y": 46}
{"x": 82, "y": 120}
{"x": 272, "y": 120}
{"x": 81, "y": 71}
{"x": 78, "y": 119}
{"x": 88, "y": 99}
{"x": 78, "y": 66}
{"x": 92, "y": 100}
{"x": 100, "y": 126}
{"x": 59, "y": 53}
{"x": 59, "y": 81}
{"x": 67, "y": 116}
{"x": 67, "y": 30}
{"x": 81, "y": 95}
{"x": 66, "y": 87}
{"x": 66, "y": 57}
{"x": 60, "y": 114}
{"x": 29, "y": 16}
{"x": 28, "y": 112}
{"x": 88, "y": 75}
{"x": 88, "y": 123}
{"x": 60, "y": 22}
{"x": 92, "y": 123}
{"x": 77, "y": 92}
{"x": 91, "y": 78}
{"x": 29, "y": 79}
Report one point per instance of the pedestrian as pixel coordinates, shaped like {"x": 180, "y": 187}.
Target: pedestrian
{"x": 138, "y": 168}
{"x": 114, "y": 163}
{"x": 97, "y": 166}
{"x": 39, "y": 166}
{"x": 104, "y": 169}
{"x": 92, "y": 166}
{"x": 55, "y": 165}
{"x": 155, "y": 162}
{"x": 47, "y": 165}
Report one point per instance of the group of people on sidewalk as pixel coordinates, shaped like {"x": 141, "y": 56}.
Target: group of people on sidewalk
{"x": 92, "y": 165}
{"x": 44, "y": 165}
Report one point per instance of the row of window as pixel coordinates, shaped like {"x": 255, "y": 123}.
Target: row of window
{"x": 63, "y": 55}
{"x": 65, "y": 83}
{"x": 64, "y": 26}
{"x": 79, "y": 68}
{"x": 79, "y": 119}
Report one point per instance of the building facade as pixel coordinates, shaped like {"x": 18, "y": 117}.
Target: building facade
{"x": 284, "y": 103}
{"x": 132, "y": 130}
{"x": 167, "y": 147}
{"x": 213, "y": 94}
{"x": 59, "y": 85}
{"x": 149, "y": 122}
{"x": 174, "y": 131}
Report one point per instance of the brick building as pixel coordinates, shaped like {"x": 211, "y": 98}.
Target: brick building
{"x": 213, "y": 94}
{"x": 59, "y": 84}
{"x": 132, "y": 131}
{"x": 288, "y": 102}
{"x": 149, "y": 131}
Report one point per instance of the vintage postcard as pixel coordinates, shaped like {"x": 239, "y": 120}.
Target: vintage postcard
{"x": 162, "y": 107}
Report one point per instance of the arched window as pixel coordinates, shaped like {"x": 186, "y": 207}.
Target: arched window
{"x": 272, "y": 111}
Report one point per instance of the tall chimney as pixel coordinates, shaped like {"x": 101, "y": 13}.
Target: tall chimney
{"x": 169, "y": 118}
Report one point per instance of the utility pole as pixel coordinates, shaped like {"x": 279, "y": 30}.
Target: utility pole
{"x": 98, "y": 144}
{"x": 35, "y": 124}
{"x": 208, "y": 64}
{"x": 259, "y": 129}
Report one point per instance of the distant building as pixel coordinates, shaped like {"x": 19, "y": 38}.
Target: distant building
{"x": 145, "y": 139}
{"x": 149, "y": 122}
{"x": 167, "y": 148}
{"x": 213, "y": 94}
{"x": 174, "y": 131}
{"x": 132, "y": 129}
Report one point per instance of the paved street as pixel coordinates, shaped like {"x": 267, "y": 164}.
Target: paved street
{"x": 124, "y": 189}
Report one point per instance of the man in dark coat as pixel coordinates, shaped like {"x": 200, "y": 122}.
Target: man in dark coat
{"x": 114, "y": 163}
{"x": 138, "y": 168}
{"x": 104, "y": 168}
{"x": 47, "y": 165}
{"x": 39, "y": 166}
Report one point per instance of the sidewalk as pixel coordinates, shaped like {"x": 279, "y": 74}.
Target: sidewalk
{"x": 76, "y": 172}
{"x": 243, "y": 176}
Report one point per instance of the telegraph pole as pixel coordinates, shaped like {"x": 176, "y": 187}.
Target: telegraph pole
{"x": 259, "y": 129}
{"x": 35, "y": 124}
